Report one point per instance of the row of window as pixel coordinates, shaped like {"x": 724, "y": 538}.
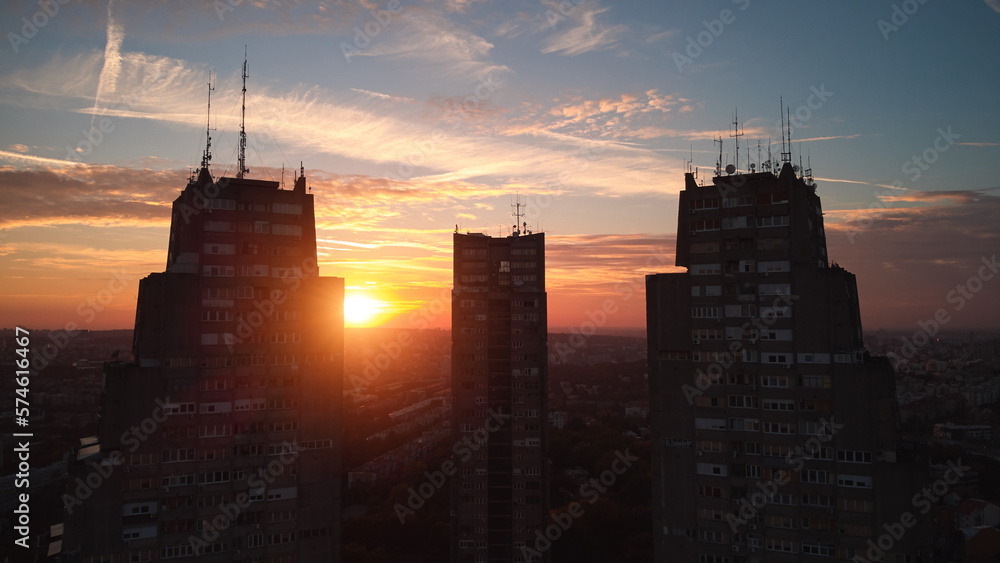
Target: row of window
{"x": 259, "y": 227}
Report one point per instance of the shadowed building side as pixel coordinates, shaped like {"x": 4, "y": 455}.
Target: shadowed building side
{"x": 774, "y": 432}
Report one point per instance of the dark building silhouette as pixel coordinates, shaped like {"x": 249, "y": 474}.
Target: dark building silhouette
{"x": 221, "y": 438}
{"x": 499, "y": 493}
{"x": 774, "y": 431}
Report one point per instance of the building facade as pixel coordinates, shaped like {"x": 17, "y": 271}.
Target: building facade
{"x": 774, "y": 431}
{"x": 221, "y": 439}
{"x": 499, "y": 493}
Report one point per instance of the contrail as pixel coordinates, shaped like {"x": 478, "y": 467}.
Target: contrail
{"x": 112, "y": 60}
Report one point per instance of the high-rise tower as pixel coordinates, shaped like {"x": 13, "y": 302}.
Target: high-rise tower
{"x": 221, "y": 438}
{"x": 499, "y": 495}
{"x": 774, "y": 431}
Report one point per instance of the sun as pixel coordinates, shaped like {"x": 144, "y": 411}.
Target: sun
{"x": 361, "y": 311}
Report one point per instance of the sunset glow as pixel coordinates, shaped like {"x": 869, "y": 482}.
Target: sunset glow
{"x": 362, "y": 311}
{"x": 456, "y": 108}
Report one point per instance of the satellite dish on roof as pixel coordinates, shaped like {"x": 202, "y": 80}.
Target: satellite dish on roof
{"x": 753, "y": 167}
{"x": 730, "y": 169}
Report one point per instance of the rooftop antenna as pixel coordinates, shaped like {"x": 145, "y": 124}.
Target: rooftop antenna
{"x": 282, "y": 175}
{"x": 758, "y": 152}
{"x": 786, "y": 155}
{"x": 517, "y": 215}
{"x": 801, "y": 170}
{"x": 687, "y": 163}
{"x": 737, "y": 133}
{"x": 770, "y": 159}
{"x": 207, "y": 157}
{"x": 718, "y": 163}
{"x": 242, "y": 166}
{"x": 809, "y": 171}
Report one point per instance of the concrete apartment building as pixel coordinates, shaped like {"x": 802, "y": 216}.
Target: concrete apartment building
{"x": 774, "y": 431}
{"x": 221, "y": 437}
{"x": 499, "y": 494}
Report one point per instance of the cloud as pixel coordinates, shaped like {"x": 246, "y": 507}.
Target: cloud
{"x": 585, "y": 33}
{"x": 662, "y": 36}
{"x": 980, "y": 144}
{"x": 112, "y": 58}
{"x": 381, "y": 96}
{"x": 994, "y": 4}
{"x": 944, "y": 241}
{"x": 94, "y": 195}
{"x": 425, "y": 35}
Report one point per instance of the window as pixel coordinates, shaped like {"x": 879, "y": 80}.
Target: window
{"x": 710, "y": 423}
{"x": 775, "y": 289}
{"x": 704, "y": 247}
{"x": 779, "y": 428}
{"x": 783, "y": 359}
{"x": 779, "y": 405}
{"x": 815, "y": 476}
{"x": 850, "y": 456}
{"x": 744, "y": 401}
{"x": 287, "y": 230}
{"x": 773, "y": 221}
{"x": 704, "y": 225}
{"x": 744, "y": 424}
{"x": 698, "y": 204}
{"x": 705, "y": 312}
{"x": 289, "y": 208}
{"x": 854, "y": 481}
{"x": 736, "y": 222}
{"x": 776, "y": 266}
{"x": 706, "y": 269}
{"x": 816, "y": 381}
{"x": 779, "y": 381}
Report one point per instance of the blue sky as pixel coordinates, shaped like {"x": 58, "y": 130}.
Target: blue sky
{"x": 584, "y": 109}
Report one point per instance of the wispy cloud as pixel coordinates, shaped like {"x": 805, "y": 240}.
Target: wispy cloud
{"x": 112, "y": 58}
{"x": 585, "y": 32}
{"x": 426, "y": 35}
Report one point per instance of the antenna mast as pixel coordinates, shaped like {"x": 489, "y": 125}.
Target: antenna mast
{"x": 786, "y": 155}
{"x": 718, "y": 163}
{"x": 737, "y": 134}
{"x": 243, "y": 114}
{"x": 207, "y": 157}
{"x": 517, "y": 216}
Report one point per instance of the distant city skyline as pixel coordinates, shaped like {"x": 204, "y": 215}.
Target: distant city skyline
{"x": 413, "y": 119}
